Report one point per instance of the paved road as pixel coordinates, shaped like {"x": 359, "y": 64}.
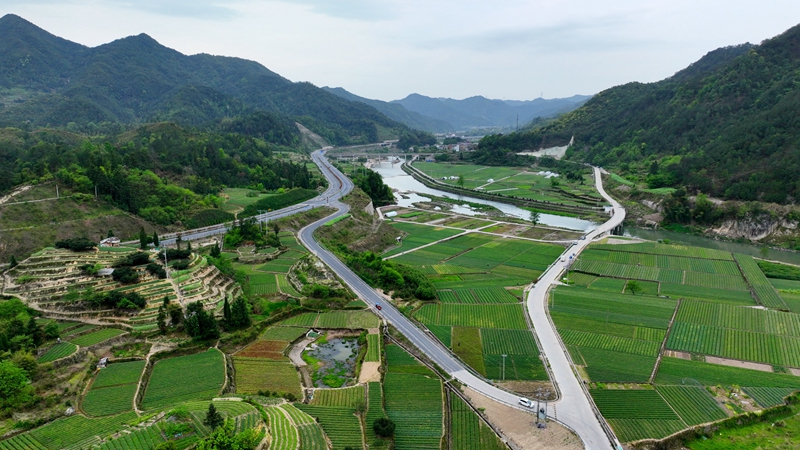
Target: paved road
{"x": 574, "y": 408}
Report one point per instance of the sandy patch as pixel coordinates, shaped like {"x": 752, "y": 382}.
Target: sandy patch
{"x": 623, "y": 241}
{"x": 795, "y": 372}
{"x": 370, "y": 371}
{"x": 679, "y": 355}
{"x": 531, "y": 389}
{"x": 520, "y": 428}
{"x": 740, "y": 364}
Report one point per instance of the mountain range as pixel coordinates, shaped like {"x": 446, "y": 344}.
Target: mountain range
{"x": 46, "y": 80}
{"x": 444, "y": 115}
{"x": 727, "y": 125}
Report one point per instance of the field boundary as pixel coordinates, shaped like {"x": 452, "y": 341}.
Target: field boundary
{"x": 664, "y": 343}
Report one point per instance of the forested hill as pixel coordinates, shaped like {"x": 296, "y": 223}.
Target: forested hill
{"x": 728, "y": 125}
{"x": 49, "y": 81}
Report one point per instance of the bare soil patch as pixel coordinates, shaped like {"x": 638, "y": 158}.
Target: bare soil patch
{"x": 740, "y": 364}
{"x": 264, "y": 349}
{"x": 542, "y": 390}
{"x": 370, "y": 371}
{"x": 679, "y": 355}
{"x": 520, "y": 428}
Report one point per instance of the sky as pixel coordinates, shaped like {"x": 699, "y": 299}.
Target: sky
{"x": 387, "y": 49}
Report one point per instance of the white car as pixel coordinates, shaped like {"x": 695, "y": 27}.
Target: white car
{"x": 525, "y": 402}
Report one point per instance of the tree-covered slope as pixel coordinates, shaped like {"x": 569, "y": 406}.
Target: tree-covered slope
{"x": 48, "y": 81}
{"x": 728, "y": 125}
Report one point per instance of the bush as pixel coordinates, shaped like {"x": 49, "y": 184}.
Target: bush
{"x": 157, "y": 270}
{"x": 383, "y": 427}
{"x": 76, "y": 244}
{"x": 133, "y": 259}
{"x": 125, "y": 275}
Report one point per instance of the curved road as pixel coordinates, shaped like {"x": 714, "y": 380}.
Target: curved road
{"x": 574, "y": 407}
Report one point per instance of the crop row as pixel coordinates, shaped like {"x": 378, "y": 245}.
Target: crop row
{"x": 287, "y": 334}
{"x": 613, "y": 343}
{"x": 735, "y": 344}
{"x": 96, "y": 337}
{"x": 680, "y": 371}
{"x": 628, "y": 430}
{"x": 373, "y": 348}
{"x": 140, "y": 439}
{"x": 698, "y": 292}
{"x": 185, "y": 378}
{"x": 58, "y": 351}
{"x": 286, "y": 287}
{"x": 344, "y": 398}
{"x": 312, "y": 437}
{"x": 468, "y": 431}
{"x": 693, "y": 404}
{"x": 767, "y": 397}
{"x": 619, "y": 308}
{"x": 340, "y": 424}
{"x": 508, "y": 316}
{"x": 691, "y": 264}
{"x": 78, "y": 431}
{"x": 418, "y": 417}
{"x": 670, "y": 250}
{"x": 729, "y": 316}
{"x": 764, "y": 291}
{"x": 284, "y": 433}
{"x": 512, "y": 342}
{"x": 610, "y": 366}
{"x": 261, "y": 374}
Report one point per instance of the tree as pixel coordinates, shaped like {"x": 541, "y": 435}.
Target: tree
{"x": 13, "y": 262}
{"x": 110, "y": 233}
{"x": 634, "y": 287}
{"x": 35, "y": 331}
{"x": 240, "y": 315}
{"x": 535, "y": 217}
{"x": 175, "y": 313}
{"x": 15, "y": 389}
{"x": 460, "y": 181}
{"x": 383, "y": 427}
{"x": 162, "y": 320}
{"x": 215, "y": 251}
{"x": 213, "y": 417}
{"x": 155, "y": 239}
{"x": 165, "y": 302}
{"x": 764, "y": 252}
{"x": 142, "y": 239}
{"x": 226, "y": 312}
{"x": 275, "y": 227}
{"x": 189, "y": 245}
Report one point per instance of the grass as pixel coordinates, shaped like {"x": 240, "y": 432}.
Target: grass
{"x": 466, "y": 344}
{"x": 373, "y": 348}
{"x": 676, "y": 371}
{"x": 183, "y": 378}
{"x": 763, "y": 435}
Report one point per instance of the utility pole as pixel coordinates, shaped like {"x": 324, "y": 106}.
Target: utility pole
{"x": 57, "y": 195}
{"x": 504, "y": 367}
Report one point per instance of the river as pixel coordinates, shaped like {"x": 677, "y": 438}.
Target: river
{"x": 395, "y": 178}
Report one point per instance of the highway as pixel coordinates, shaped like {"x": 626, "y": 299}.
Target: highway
{"x": 574, "y": 406}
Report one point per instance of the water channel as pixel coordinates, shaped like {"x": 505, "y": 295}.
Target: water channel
{"x": 395, "y": 178}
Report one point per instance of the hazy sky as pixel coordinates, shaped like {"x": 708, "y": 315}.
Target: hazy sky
{"x": 386, "y": 49}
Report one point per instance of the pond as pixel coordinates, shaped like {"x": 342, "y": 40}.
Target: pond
{"x": 395, "y": 178}
{"x": 332, "y": 362}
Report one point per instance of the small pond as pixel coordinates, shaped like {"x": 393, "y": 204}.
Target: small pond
{"x": 332, "y": 362}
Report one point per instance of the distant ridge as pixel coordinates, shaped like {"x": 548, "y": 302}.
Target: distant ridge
{"x": 137, "y": 80}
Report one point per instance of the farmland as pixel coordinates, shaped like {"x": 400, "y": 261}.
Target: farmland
{"x": 58, "y": 351}
{"x": 311, "y": 435}
{"x": 96, "y": 337}
{"x": 468, "y": 431}
{"x": 419, "y": 235}
{"x": 346, "y": 397}
{"x": 340, "y": 424}
{"x": 353, "y": 320}
{"x": 262, "y": 374}
{"x": 418, "y": 417}
{"x": 113, "y": 389}
{"x": 284, "y": 433}
{"x": 616, "y": 336}
{"x": 373, "y": 348}
{"x": 185, "y": 378}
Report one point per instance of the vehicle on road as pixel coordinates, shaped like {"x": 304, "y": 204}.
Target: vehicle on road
{"x": 378, "y": 307}
{"x": 525, "y": 402}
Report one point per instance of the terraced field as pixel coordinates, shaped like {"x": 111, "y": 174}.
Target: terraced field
{"x": 113, "y": 389}
{"x": 183, "y": 378}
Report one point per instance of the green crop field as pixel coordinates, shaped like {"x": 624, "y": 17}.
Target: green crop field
{"x": 139, "y": 439}
{"x": 311, "y": 435}
{"x": 284, "y": 433}
{"x": 78, "y": 431}
{"x": 611, "y": 366}
{"x": 468, "y": 431}
{"x": 113, "y": 389}
{"x": 287, "y": 334}
{"x": 183, "y": 378}
{"x": 418, "y": 417}
{"x": 353, "y": 320}
{"x": 613, "y": 308}
{"x": 58, "y": 351}
{"x": 263, "y": 374}
{"x": 340, "y": 424}
{"x": 755, "y": 277}
{"x": 419, "y": 235}
{"x": 345, "y": 398}
{"x": 676, "y": 371}
{"x": 737, "y": 332}
{"x": 481, "y": 316}
{"x": 467, "y": 346}
{"x": 96, "y": 337}
{"x": 303, "y": 320}
{"x": 373, "y": 348}
{"x": 701, "y": 293}
{"x": 693, "y": 404}
{"x": 286, "y": 287}
{"x": 374, "y": 410}
{"x": 613, "y": 343}
{"x": 637, "y": 414}
{"x": 769, "y": 396}
{"x": 608, "y": 284}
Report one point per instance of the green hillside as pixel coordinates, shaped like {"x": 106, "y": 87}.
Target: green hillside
{"x": 727, "y": 126}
